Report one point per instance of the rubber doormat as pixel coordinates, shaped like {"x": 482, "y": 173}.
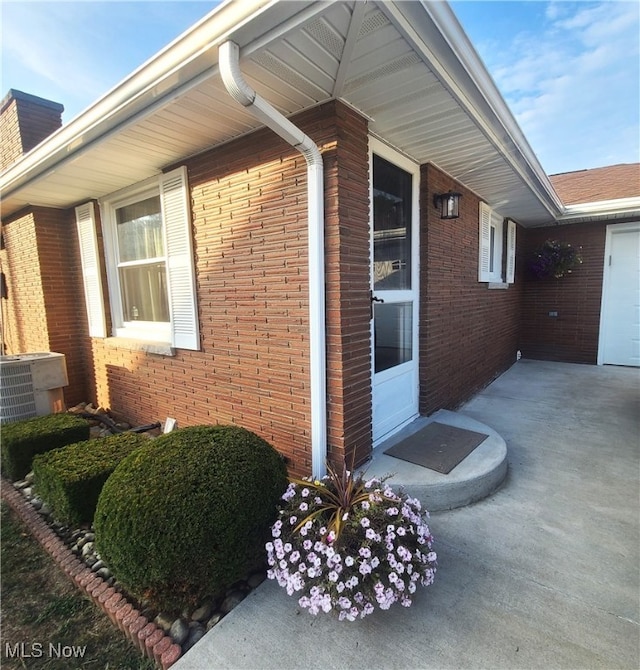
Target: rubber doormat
{"x": 437, "y": 446}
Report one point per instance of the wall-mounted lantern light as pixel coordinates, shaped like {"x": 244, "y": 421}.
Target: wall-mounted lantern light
{"x": 448, "y": 204}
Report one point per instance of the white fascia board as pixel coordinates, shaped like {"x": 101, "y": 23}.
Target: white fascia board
{"x": 602, "y": 208}
{"x": 480, "y": 97}
{"x": 617, "y": 206}
{"x": 179, "y": 66}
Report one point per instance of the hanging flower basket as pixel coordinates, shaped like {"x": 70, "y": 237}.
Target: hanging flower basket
{"x": 555, "y": 259}
{"x": 347, "y": 545}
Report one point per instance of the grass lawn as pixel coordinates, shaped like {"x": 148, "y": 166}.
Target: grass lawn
{"x": 47, "y": 622}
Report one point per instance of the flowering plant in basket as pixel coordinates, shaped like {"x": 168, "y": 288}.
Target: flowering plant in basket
{"x": 348, "y": 545}
{"x": 555, "y": 259}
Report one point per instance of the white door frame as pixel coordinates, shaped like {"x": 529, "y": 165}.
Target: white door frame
{"x": 389, "y": 154}
{"x": 611, "y": 230}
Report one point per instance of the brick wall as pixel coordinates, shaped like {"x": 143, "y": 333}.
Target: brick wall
{"x": 572, "y": 336}
{"x": 24, "y": 318}
{"x": 59, "y": 256}
{"x": 250, "y": 236}
{"x": 25, "y": 120}
{"x": 348, "y": 283}
{"x": 468, "y": 333}
{"x": 42, "y": 312}
{"x": 10, "y": 140}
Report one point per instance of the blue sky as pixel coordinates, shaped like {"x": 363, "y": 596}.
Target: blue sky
{"x": 569, "y": 70}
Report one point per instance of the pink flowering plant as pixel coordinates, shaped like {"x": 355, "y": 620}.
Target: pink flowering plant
{"x": 348, "y": 545}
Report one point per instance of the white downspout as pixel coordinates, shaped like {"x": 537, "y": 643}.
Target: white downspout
{"x": 239, "y": 89}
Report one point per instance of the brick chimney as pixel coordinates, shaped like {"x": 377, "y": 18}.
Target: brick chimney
{"x": 25, "y": 120}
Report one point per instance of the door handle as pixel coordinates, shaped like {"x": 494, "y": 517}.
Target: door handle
{"x": 373, "y": 299}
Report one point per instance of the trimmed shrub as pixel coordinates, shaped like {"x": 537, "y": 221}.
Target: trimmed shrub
{"x": 70, "y": 479}
{"x": 188, "y": 514}
{"x": 22, "y": 440}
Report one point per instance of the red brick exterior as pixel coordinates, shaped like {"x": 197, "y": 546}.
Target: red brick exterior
{"x": 250, "y": 237}
{"x": 44, "y": 306}
{"x": 468, "y": 332}
{"x": 26, "y": 121}
{"x": 572, "y": 336}
{"x": 249, "y": 205}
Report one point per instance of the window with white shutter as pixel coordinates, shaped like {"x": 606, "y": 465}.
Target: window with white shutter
{"x": 149, "y": 260}
{"x": 511, "y": 251}
{"x": 485, "y": 248}
{"x": 496, "y": 247}
{"x": 86, "y": 226}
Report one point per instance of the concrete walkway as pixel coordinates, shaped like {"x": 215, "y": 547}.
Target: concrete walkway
{"x": 542, "y": 574}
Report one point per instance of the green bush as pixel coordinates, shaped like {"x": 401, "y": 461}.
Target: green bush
{"x": 188, "y": 514}
{"x": 70, "y": 479}
{"x": 22, "y": 440}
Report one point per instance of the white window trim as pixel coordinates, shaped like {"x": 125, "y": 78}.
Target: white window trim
{"x": 183, "y": 329}
{"x": 135, "y": 330}
{"x": 493, "y": 247}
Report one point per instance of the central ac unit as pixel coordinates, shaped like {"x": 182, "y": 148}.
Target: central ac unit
{"x": 31, "y": 385}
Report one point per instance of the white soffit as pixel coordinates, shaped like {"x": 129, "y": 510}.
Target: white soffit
{"x": 388, "y": 60}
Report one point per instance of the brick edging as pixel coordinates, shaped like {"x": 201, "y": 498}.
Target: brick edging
{"x": 149, "y": 638}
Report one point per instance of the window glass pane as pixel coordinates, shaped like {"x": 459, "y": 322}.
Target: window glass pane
{"x": 391, "y": 226}
{"x": 393, "y": 328}
{"x": 140, "y": 230}
{"x": 144, "y": 292}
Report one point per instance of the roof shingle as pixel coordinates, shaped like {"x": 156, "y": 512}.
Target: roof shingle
{"x": 604, "y": 183}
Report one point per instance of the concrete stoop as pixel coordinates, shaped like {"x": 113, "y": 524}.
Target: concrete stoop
{"x": 475, "y": 477}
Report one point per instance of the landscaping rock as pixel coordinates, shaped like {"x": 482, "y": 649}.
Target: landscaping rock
{"x": 82, "y": 540}
{"x": 96, "y": 565}
{"x": 87, "y": 548}
{"x": 105, "y": 573}
{"x": 213, "y": 621}
{"x": 232, "y": 600}
{"x": 164, "y": 621}
{"x": 196, "y": 633}
{"x": 179, "y": 630}
{"x": 203, "y": 612}
{"x": 36, "y": 502}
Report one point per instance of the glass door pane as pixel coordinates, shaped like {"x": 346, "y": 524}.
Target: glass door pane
{"x": 391, "y": 226}
{"x": 393, "y": 334}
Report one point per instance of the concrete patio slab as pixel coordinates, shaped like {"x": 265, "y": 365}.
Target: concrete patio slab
{"x": 542, "y": 574}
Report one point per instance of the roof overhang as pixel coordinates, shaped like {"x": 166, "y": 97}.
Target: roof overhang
{"x": 407, "y": 66}
{"x": 607, "y": 211}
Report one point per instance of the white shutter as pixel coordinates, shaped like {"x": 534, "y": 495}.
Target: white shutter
{"x": 484, "y": 246}
{"x": 511, "y": 251}
{"x": 174, "y": 195}
{"x": 86, "y": 225}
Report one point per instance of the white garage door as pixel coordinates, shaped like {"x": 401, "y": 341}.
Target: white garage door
{"x": 620, "y": 315}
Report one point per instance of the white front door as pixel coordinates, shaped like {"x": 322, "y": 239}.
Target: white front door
{"x": 394, "y": 289}
{"x": 620, "y": 313}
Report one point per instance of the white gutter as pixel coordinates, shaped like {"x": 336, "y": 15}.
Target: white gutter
{"x": 619, "y": 207}
{"x": 239, "y": 90}
{"x": 164, "y": 76}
